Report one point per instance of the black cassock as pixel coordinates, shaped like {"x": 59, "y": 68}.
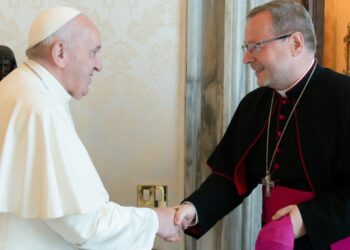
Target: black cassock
{"x": 314, "y": 155}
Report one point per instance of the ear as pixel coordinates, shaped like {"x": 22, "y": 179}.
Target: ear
{"x": 297, "y": 43}
{"x": 58, "y": 53}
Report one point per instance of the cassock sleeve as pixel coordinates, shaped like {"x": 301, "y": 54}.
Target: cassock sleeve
{"x": 214, "y": 199}
{"x": 327, "y": 216}
{"x": 220, "y": 192}
{"x": 111, "y": 227}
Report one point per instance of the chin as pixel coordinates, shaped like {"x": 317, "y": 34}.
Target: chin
{"x": 78, "y": 97}
{"x": 86, "y": 92}
{"x": 262, "y": 83}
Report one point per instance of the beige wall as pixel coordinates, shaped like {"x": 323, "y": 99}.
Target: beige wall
{"x": 335, "y": 29}
{"x": 132, "y": 122}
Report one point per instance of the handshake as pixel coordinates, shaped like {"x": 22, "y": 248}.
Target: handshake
{"x": 173, "y": 219}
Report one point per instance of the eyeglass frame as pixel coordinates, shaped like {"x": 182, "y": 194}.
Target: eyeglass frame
{"x": 255, "y": 47}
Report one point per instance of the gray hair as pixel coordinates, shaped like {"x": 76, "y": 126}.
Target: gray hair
{"x": 289, "y": 16}
{"x": 66, "y": 34}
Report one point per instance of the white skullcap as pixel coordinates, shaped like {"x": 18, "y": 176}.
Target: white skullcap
{"x": 48, "y": 22}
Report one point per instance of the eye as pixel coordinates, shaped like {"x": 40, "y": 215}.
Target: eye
{"x": 252, "y": 47}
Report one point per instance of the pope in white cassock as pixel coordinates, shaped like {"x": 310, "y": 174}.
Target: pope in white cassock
{"x": 51, "y": 196}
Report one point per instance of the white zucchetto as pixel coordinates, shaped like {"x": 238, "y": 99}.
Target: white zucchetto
{"x": 48, "y": 22}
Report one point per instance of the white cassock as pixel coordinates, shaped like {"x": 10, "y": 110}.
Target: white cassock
{"x": 51, "y": 196}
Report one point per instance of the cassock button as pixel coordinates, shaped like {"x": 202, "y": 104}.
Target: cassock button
{"x": 279, "y": 133}
{"x": 277, "y": 166}
{"x": 281, "y": 117}
{"x": 284, "y": 101}
{"x": 278, "y": 150}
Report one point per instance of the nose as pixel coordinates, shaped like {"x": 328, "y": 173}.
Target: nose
{"x": 248, "y": 57}
{"x": 98, "y": 64}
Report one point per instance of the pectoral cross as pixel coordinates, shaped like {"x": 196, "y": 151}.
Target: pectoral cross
{"x": 268, "y": 184}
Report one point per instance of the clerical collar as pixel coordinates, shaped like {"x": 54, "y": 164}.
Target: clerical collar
{"x": 288, "y": 92}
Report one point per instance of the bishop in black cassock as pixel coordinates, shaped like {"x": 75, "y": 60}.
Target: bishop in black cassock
{"x": 291, "y": 134}
{"x": 314, "y": 156}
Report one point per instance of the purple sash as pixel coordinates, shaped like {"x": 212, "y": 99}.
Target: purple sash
{"x": 343, "y": 244}
{"x": 278, "y": 235}
{"x": 282, "y": 197}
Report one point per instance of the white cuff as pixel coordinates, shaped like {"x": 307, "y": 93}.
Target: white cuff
{"x": 195, "y": 219}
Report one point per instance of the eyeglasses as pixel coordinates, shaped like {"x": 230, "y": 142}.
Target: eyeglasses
{"x": 255, "y": 47}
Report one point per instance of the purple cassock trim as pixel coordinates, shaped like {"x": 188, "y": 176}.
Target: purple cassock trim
{"x": 239, "y": 174}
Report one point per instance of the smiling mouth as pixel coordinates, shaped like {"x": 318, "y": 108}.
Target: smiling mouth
{"x": 257, "y": 67}
{"x": 258, "y": 70}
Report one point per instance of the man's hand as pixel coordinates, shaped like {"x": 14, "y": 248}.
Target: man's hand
{"x": 295, "y": 216}
{"x": 167, "y": 230}
{"x": 185, "y": 214}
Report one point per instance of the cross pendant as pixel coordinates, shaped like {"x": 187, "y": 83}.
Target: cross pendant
{"x": 268, "y": 184}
